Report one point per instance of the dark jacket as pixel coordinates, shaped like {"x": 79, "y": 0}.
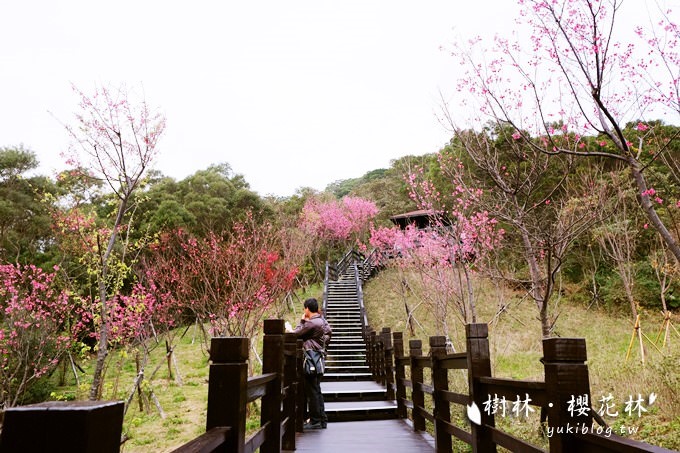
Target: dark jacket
{"x": 314, "y": 332}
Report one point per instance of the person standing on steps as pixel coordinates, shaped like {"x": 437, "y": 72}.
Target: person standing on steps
{"x": 315, "y": 333}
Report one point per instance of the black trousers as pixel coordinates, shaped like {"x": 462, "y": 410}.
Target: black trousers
{"x": 315, "y": 404}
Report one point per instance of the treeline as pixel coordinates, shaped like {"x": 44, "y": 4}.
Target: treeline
{"x": 89, "y": 266}
{"x": 208, "y": 250}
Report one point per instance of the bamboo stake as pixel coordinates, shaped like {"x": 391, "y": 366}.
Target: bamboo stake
{"x": 636, "y": 331}
{"x": 642, "y": 346}
{"x": 73, "y": 367}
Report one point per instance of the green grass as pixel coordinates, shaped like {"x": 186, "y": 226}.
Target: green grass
{"x": 515, "y": 342}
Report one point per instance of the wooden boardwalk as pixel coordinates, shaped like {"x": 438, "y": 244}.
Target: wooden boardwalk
{"x": 366, "y": 436}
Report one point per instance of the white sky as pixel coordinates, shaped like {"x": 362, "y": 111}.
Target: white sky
{"x": 289, "y": 93}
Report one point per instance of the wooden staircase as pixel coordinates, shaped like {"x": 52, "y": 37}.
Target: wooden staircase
{"x": 349, "y": 391}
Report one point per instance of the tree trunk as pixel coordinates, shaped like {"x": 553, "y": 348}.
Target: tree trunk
{"x": 168, "y": 358}
{"x": 102, "y": 350}
{"x": 471, "y": 296}
{"x": 537, "y": 284}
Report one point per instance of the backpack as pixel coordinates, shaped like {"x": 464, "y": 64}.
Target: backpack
{"x": 314, "y": 363}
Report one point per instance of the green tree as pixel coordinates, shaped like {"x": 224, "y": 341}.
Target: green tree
{"x": 25, "y": 223}
{"x": 209, "y": 200}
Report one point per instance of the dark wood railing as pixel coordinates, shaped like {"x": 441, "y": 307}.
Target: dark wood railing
{"x": 230, "y": 390}
{"x": 566, "y": 377}
{"x": 335, "y": 270}
{"x": 374, "y": 261}
{"x": 360, "y": 299}
{"x": 96, "y": 427}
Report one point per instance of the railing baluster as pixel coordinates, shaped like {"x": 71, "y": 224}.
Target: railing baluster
{"x": 417, "y": 396}
{"x": 479, "y": 365}
{"x": 227, "y": 389}
{"x": 272, "y": 362}
{"x": 400, "y": 374}
{"x": 290, "y": 382}
{"x": 440, "y": 382}
{"x": 300, "y": 409}
{"x": 389, "y": 362}
{"x": 566, "y": 378}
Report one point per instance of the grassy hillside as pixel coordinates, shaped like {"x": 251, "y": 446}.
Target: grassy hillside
{"x": 515, "y": 343}
{"x": 515, "y": 352}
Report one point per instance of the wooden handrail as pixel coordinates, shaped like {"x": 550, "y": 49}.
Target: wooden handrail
{"x": 257, "y": 386}
{"x": 563, "y": 357}
{"x": 207, "y": 442}
{"x": 360, "y": 298}
{"x": 510, "y": 388}
{"x": 230, "y": 390}
{"x": 279, "y": 389}
{"x": 324, "y": 305}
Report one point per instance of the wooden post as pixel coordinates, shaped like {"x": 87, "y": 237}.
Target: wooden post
{"x": 367, "y": 341}
{"x": 389, "y": 362}
{"x": 479, "y": 365}
{"x": 417, "y": 395}
{"x": 440, "y": 382}
{"x": 290, "y": 381}
{"x": 272, "y": 362}
{"x": 228, "y": 388}
{"x": 400, "y": 374}
{"x": 370, "y": 354}
{"x": 567, "y": 389}
{"x": 301, "y": 399}
{"x": 75, "y": 426}
{"x": 380, "y": 358}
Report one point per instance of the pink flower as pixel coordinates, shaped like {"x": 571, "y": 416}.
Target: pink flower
{"x": 517, "y": 135}
{"x": 642, "y": 127}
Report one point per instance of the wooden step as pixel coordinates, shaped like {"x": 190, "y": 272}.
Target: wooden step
{"x": 361, "y": 410}
{"x": 335, "y": 391}
{"x": 338, "y": 368}
{"x": 356, "y": 376}
{"x": 335, "y": 346}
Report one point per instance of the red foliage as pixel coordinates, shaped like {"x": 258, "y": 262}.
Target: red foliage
{"x": 227, "y": 281}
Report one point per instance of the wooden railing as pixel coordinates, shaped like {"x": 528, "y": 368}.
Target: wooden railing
{"x": 230, "y": 390}
{"x": 96, "y": 427}
{"x": 371, "y": 264}
{"x": 566, "y": 378}
{"x": 334, "y": 271}
{"x": 360, "y": 299}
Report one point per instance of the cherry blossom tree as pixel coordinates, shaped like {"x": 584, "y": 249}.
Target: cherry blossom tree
{"x": 574, "y": 77}
{"x": 336, "y": 223}
{"x": 618, "y": 238}
{"x": 228, "y": 281}
{"x": 343, "y": 220}
{"x": 444, "y": 255}
{"x": 38, "y": 325}
{"x": 116, "y": 140}
{"x": 541, "y": 201}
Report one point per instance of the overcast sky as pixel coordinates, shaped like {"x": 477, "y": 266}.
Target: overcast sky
{"x": 289, "y": 93}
